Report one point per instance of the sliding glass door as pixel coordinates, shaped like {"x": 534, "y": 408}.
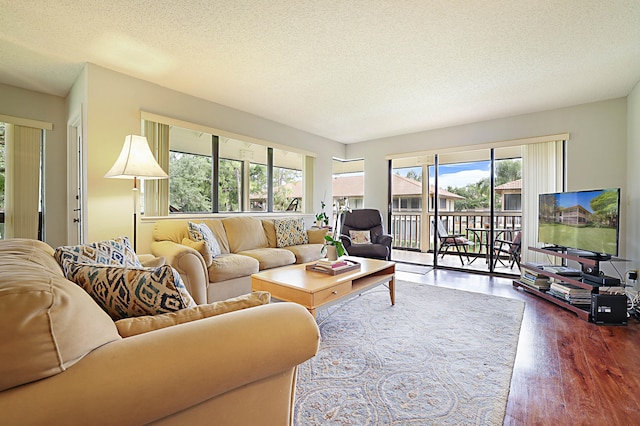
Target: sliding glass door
{"x": 455, "y": 208}
{"x": 463, "y": 213}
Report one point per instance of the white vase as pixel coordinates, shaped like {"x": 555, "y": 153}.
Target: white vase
{"x": 332, "y": 253}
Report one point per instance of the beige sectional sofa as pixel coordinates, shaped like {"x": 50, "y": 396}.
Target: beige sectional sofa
{"x": 247, "y": 244}
{"x": 63, "y": 360}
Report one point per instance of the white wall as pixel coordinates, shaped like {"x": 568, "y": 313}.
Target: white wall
{"x": 633, "y": 178}
{"x": 114, "y": 102}
{"x": 596, "y": 150}
{"x": 22, "y": 103}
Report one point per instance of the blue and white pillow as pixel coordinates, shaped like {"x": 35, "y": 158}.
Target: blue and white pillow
{"x": 125, "y": 292}
{"x": 109, "y": 252}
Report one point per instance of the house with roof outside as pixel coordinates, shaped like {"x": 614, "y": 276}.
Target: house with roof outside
{"x": 510, "y": 195}
{"x": 349, "y": 189}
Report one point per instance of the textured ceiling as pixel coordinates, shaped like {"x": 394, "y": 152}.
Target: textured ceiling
{"x": 348, "y": 70}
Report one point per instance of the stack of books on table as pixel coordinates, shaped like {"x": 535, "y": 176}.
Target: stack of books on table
{"x": 534, "y": 279}
{"x": 334, "y": 265}
{"x": 571, "y": 293}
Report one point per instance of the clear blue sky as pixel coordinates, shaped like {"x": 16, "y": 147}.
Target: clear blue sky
{"x": 455, "y": 175}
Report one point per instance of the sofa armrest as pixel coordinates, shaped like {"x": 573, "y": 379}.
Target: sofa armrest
{"x": 189, "y": 264}
{"x": 148, "y": 377}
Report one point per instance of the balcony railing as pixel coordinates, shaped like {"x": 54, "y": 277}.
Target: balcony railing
{"x": 406, "y": 227}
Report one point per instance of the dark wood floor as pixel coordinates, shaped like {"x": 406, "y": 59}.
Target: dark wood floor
{"x": 567, "y": 371}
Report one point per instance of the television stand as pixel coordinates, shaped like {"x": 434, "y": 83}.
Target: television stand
{"x": 583, "y": 312}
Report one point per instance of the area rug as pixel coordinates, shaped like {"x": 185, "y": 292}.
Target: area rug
{"x": 438, "y": 357}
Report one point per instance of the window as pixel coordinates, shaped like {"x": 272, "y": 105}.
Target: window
{"x": 258, "y": 187}
{"x": 442, "y": 203}
{"x": 230, "y": 191}
{"x": 348, "y": 183}
{"x": 189, "y": 183}
{"x": 287, "y": 181}
{"x": 21, "y": 188}
{"x": 210, "y": 173}
{"x": 512, "y": 202}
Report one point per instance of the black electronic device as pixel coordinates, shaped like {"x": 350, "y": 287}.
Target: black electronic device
{"x": 609, "y": 309}
{"x": 601, "y": 280}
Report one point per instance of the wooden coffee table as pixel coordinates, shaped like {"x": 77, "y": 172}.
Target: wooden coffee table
{"x": 313, "y": 289}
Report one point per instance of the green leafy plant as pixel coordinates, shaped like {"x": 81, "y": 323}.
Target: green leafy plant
{"x": 334, "y": 240}
{"x": 322, "y": 216}
{"x": 330, "y": 241}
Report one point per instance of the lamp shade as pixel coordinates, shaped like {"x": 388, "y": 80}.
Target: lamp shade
{"x": 136, "y": 160}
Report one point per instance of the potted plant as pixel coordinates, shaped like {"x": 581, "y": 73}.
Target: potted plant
{"x": 333, "y": 247}
{"x": 322, "y": 218}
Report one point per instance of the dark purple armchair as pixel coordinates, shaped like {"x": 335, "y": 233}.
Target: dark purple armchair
{"x": 365, "y": 220}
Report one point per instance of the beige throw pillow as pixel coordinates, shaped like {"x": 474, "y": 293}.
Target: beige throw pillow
{"x": 316, "y": 236}
{"x": 202, "y": 248}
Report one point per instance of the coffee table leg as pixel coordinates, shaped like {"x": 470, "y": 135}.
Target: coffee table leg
{"x": 312, "y": 312}
{"x": 392, "y": 290}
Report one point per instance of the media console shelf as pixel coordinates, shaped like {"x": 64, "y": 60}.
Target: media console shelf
{"x": 582, "y": 312}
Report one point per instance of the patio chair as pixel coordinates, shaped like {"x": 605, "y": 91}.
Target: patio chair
{"x": 510, "y": 248}
{"x": 448, "y": 242}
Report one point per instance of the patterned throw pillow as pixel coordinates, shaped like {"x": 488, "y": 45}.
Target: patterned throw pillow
{"x": 201, "y": 232}
{"x": 109, "y": 252}
{"x": 290, "y": 232}
{"x": 360, "y": 237}
{"x": 125, "y": 292}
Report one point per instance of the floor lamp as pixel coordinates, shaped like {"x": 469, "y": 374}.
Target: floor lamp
{"x": 136, "y": 161}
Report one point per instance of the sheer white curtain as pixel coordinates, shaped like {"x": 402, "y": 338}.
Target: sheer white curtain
{"x": 22, "y": 184}
{"x": 541, "y": 173}
{"x": 156, "y": 192}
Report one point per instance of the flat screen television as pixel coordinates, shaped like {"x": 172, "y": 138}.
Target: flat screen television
{"x": 581, "y": 220}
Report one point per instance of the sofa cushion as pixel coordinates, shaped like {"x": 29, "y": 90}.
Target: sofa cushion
{"x": 244, "y": 233}
{"x": 270, "y": 232}
{"x": 270, "y": 257}
{"x": 290, "y": 232}
{"x": 131, "y": 326}
{"x": 316, "y": 235}
{"x": 47, "y": 323}
{"x": 201, "y": 247}
{"x": 229, "y": 266}
{"x": 201, "y": 232}
{"x": 128, "y": 292}
{"x": 109, "y": 252}
{"x": 218, "y": 230}
{"x": 306, "y": 252}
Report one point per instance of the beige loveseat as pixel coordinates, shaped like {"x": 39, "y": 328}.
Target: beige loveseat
{"x": 247, "y": 245}
{"x": 64, "y": 362}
